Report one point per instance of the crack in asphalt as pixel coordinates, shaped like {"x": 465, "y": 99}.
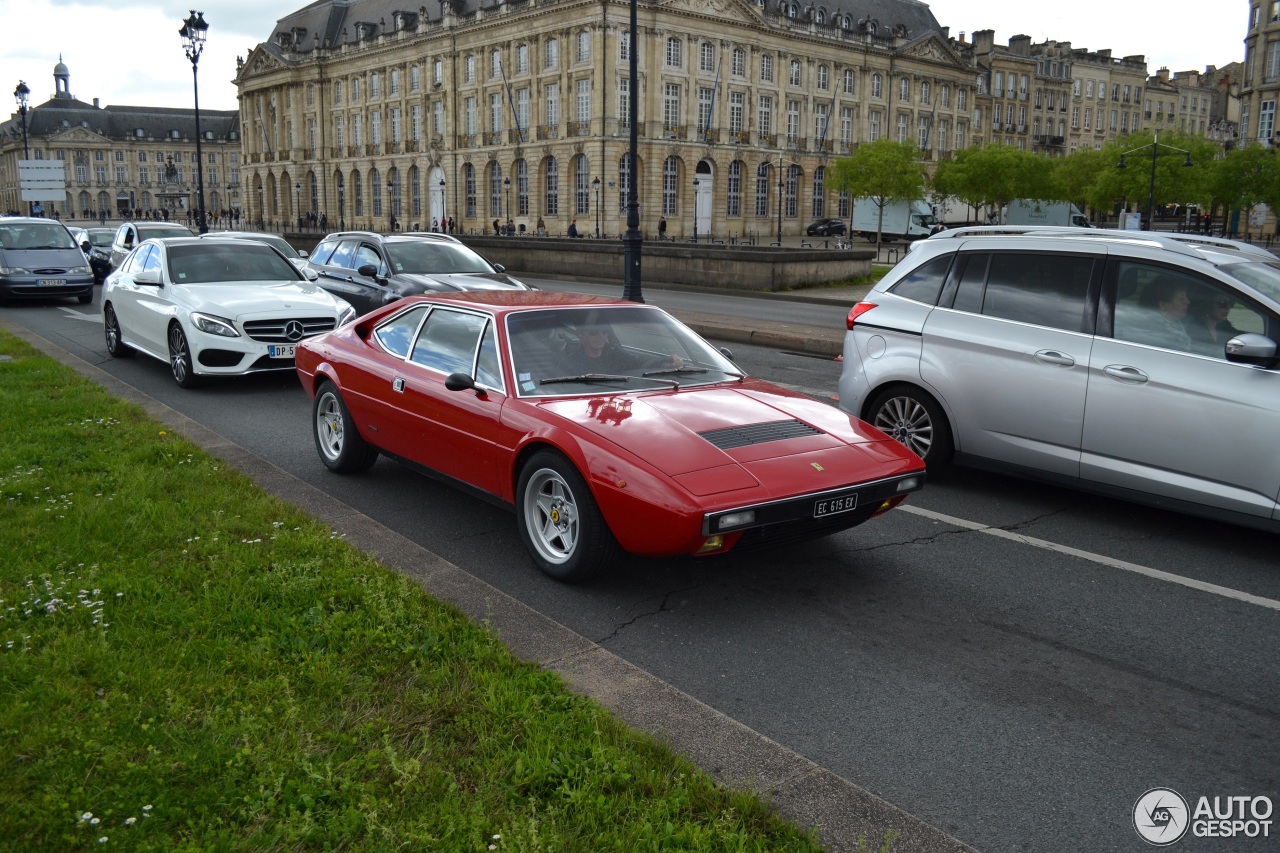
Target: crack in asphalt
{"x": 662, "y": 606}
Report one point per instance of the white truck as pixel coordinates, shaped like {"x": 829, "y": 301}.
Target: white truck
{"x": 903, "y": 220}
{"x": 1027, "y": 211}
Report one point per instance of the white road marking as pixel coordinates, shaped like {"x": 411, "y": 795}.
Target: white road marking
{"x": 80, "y": 315}
{"x": 1123, "y": 565}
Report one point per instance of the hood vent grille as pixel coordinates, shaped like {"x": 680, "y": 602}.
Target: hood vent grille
{"x": 742, "y": 436}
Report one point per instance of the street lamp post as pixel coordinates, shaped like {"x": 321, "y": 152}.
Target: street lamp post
{"x": 595, "y": 184}
{"x": 297, "y": 204}
{"x": 262, "y": 211}
{"x": 444, "y": 207}
{"x": 506, "y": 186}
{"x": 695, "y": 210}
{"x": 342, "y": 205}
{"x": 633, "y": 241}
{"x": 21, "y": 94}
{"x": 226, "y": 207}
{"x": 1155, "y": 145}
{"x": 391, "y": 214}
{"x": 781, "y": 187}
{"x": 193, "y": 32}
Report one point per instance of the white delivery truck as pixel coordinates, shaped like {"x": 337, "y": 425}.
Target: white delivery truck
{"x": 903, "y": 220}
{"x": 1027, "y": 211}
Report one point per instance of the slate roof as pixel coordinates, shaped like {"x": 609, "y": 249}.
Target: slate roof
{"x": 121, "y": 122}
{"x": 337, "y": 21}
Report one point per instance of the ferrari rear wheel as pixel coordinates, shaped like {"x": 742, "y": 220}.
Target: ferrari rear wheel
{"x": 559, "y": 520}
{"x": 339, "y": 443}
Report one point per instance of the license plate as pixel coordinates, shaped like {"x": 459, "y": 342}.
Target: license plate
{"x": 52, "y": 282}
{"x": 835, "y": 504}
{"x": 281, "y": 350}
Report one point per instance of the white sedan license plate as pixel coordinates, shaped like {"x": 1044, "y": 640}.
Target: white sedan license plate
{"x": 281, "y": 350}
{"x": 52, "y": 282}
{"x": 835, "y": 504}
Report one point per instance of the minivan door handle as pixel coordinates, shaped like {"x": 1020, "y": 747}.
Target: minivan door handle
{"x": 1124, "y": 373}
{"x": 1048, "y": 356}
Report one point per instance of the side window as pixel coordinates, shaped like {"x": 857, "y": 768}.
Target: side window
{"x": 396, "y": 335}
{"x": 1043, "y": 289}
{"x": 488, "y": 373}
{"x": 154, "y": 260}
{"x": 321, "y": 253}
{"x": 972, "y": 280}
{"x": 367, "y": 254}
{"x": 342, "y": 255}
{"x": 1163, "y": 307}
{"x": 133, "y": 264}
{"x": 925, "y": 283}
{"x": 448, "y": 341}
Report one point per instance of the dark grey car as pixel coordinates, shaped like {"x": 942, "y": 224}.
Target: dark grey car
{"x": 369, "y": 270}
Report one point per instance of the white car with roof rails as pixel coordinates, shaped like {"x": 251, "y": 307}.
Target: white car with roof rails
{"x": 1136, "y": 364}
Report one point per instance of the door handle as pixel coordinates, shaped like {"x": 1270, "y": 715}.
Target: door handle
{"x": 1048, "y": 356}
{"x": 397, "y": 384}
{"x": 1124, "y": 373}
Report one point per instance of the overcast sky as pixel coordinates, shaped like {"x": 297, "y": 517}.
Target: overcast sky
{"x": 126, "y": 52}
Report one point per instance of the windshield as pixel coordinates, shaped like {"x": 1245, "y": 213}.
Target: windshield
{"x": 216, "y": 261}
{"x": 100, "y": 238}
{"x": 146, "y": 232}
{"x": 438, "y": 257}
{"x": 1263, "y": 277}
{"x": 609, "y": 350}
{"x": 35, "y": 235}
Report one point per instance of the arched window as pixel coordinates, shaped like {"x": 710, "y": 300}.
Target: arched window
{"x": 415, "y": 192}
{"x": 793, "y": 190}
{"x": 762, "y": 190}
{"x": 521, "y": 168}
{"x": 393, "y": 181}
{"x": 877, "y": 86}
{"x": 733, "y": 192}
{"x": 495, "y": 190}
{"x": 819, "y": 193}
{"x": 624, "y": 181}
{"x": 551, "y": 187}
{"x": 581, "y": 185}
{"x": 375, "y": 191}
{"x": 357, "y": 193}
{"x": 671, "y": 186}
{"x": 469, "y": 190}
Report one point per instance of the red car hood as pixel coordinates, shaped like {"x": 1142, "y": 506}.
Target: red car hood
{"x": 720, "y": 439}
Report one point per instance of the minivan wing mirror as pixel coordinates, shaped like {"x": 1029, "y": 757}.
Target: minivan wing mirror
{"x": 1249, "y": 348}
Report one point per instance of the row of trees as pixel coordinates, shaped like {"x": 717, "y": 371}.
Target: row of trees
{"x": 993, "y": 176}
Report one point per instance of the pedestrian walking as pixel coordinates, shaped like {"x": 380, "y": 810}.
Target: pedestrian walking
{"x": 662, "y": 227}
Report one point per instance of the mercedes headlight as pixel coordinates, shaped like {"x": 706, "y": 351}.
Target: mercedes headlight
{"x": 214, "y": 325}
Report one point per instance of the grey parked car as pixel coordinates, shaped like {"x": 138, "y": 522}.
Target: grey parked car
{"x": 1133, "y": 364}
{"x": 369, "y": 270}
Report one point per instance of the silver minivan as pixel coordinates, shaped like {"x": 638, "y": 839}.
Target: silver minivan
{"x": 1135, "y": 364}
{"x": 40, "y": 260}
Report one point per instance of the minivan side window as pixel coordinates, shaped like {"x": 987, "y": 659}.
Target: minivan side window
{"x": 1164, "y": 307}
{"x": 925, "y": 283}
{"x": 1028, "y": 287}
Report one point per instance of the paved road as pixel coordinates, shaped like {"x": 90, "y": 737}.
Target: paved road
{"x": 954, "y": 657}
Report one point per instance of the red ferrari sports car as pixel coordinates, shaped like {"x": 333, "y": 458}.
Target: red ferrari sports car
{"x": 604, "y": 423}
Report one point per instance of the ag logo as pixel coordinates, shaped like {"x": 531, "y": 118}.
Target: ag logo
{"x": 1160, "y": 816}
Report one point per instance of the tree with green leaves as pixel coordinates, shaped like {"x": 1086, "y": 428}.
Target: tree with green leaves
{"x": 883, "y": 171}
{"x": 1244, "y": 177}
{"x": 1145, "y": 154}
{"x": 994, "y": 176}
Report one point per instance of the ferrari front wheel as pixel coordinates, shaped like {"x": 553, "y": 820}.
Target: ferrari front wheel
{"x": 559, "y": 520}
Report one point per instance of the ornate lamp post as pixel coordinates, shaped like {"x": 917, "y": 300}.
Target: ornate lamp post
{"x": 506, "y": 185}
{"x": 297, "y": 204}
{"x": 1155, "y": 145}
{"x": 444, "y": 207}
{"x": 595, "y": 184}
{"x": 262, "y": 211}
{"x": 695, "y": 210}
{"x": 193, "y": 32}
{"x": 342, "y": 206}
{"x": 21, "y": 95}
{"x": 391, "y": 214}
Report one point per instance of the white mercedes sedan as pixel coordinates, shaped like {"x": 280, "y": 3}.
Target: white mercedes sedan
{"x": 214, "y": 307}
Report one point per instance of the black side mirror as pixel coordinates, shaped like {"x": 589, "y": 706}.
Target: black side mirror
{"x": 367, "y": 270}
{"x": 462, "y": 382}
{"x": 86, "y": 247}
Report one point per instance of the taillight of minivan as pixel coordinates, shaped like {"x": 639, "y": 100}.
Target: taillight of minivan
{"x": 857, "y": 311}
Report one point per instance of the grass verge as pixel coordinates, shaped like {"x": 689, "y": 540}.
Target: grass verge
{"x": 188, "y": 664}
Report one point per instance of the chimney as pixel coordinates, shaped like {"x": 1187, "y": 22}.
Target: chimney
{"x": 1020, "y": 45}
{"x": 984, "y": 40}
{"x": 95, "y": 103}
{"x": 1163, "y": 74}
{"x": 962, "y": 36}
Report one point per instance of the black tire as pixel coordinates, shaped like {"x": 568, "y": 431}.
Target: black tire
{"x": 180, "y": 363}
{"x": 111, "y": 326}
{"x": 559, "y": 520}
{"x": 915, "y": 419}
{"x": 339, "y": 444}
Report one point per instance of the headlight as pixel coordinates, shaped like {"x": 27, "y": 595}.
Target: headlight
{"x": 14, "y": 271}
{"x": 80, "y": 271}
{"x": 214, "y": 325}
{"x": 346, "y": 315}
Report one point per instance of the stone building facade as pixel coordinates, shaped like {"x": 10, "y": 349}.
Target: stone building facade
{"x": 117, "y": 158}
{"x": 1260, "y": 80}
{"x": 364, "y": 109}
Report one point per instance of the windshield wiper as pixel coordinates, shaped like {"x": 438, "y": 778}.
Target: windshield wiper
{"x": 687, "y": 370}
{"x": 601, "y": 377}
